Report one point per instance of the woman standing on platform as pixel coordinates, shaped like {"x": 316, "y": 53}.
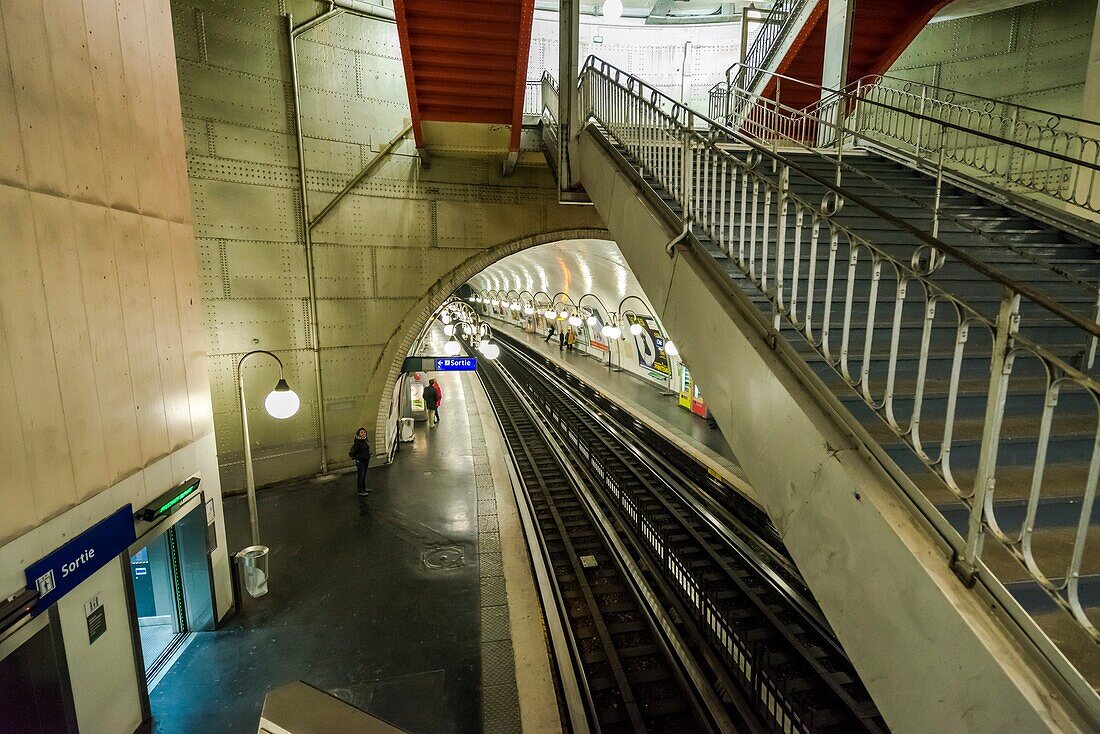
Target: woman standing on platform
{"x": 360, "y": 451}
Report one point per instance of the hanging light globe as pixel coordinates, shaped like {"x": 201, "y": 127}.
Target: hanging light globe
{"x": 635, "y": 328}
{"x": 282, "y": 402}
{"x": 670, "y": 349}
{"x": 574, "y": 320}
{"x": 591, "y": 320}
{"x": 490, "y": 350}
{"x": 616, "y": 332}
{"x": 451, "y": 348}
{"x": 449, "y": 329}
{"x": 612, "y": 9}
{"x": 550, "y": 313}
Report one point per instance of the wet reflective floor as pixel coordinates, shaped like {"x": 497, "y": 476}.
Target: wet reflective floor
{"x": 375, "y": 600}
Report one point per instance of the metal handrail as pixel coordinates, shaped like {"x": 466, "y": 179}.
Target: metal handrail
{"x": 788, "y": 122}
{"x": 1025, "y": 290}
{"x": 781, "y": 244}
{"x": 975, "y": 152}
{"x": 776, "y": 26}
{"x": 869, "y": 79}
{"x": 850, "y": 97}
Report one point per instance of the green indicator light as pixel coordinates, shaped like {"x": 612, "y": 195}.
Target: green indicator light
{"x": 177, "y": 499}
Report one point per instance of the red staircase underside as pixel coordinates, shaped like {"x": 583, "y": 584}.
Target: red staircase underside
{"x": 465, "y": 60}
{"x": 880, "y": 32}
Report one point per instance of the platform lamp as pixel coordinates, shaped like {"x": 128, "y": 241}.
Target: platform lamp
{"x": 281, "y": 403}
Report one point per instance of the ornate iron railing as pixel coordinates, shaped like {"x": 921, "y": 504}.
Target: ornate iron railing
{"x": 779, "y": 22}
{"x": 1001, "y": 145}
{"x": 919, "y": 356}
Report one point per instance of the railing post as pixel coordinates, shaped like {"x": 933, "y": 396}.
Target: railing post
{"x": 939, "y": 189}
{"x": 920, "y": 120}
{"x": 1000, "y": 369}
{"x": 687, "y": 163}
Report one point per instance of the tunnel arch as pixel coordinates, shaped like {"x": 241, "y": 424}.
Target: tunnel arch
{"x": 384, "y": 375}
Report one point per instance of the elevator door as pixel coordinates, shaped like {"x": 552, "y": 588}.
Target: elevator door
{"x": 155, "y": 570}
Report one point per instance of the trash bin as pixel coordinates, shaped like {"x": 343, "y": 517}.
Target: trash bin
{"x": 253, "y": 567}
{"x": 407, "y": 425}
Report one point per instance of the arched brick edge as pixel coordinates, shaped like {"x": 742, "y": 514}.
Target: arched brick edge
{"x": 404, "y": 337}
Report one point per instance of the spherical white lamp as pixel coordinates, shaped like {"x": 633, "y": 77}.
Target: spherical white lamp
{"x": 490, "y": 350}
{"x": 606, "y": 330}
{"x": 282, "y": 402}
{"x": 670, "y": 349}
{"x": 635, "y": 328}
{"x": 613, "y": 9}
{"x": 574, "y": 320}
{"x": 591, "y": 320}
{"x": 616, "y": 332}
{"x": 449, "y": 329}
{"x": 451, "y": 348}
{"x": 550, "y": 313}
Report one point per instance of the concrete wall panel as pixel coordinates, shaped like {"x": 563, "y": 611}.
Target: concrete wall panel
{"x": 71, "y": 341}
{"x": 12, "y": 165}
{"x": 35, "y": 97}
{"x": 108, "y": 81}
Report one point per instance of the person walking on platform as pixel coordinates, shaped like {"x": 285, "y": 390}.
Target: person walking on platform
{"x": 561, "y": 340}
{"x": 549, "y": 333}
{"x": 431, "y": 400}
{"x": 570, "y": 340}
{"x": 360, "y": 451}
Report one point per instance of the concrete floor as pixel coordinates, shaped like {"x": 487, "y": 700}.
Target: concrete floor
{"x": 358, "y": 605}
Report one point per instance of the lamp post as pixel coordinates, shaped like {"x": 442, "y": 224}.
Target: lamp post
{"x": 281, "y": 403}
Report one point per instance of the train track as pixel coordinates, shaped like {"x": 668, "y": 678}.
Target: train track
{"x": 680, "y": 611}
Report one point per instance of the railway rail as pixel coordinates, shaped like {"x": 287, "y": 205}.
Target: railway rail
{"x": 679, "y": 609}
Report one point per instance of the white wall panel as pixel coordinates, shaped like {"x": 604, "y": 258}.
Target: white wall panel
{"x": 166, "y": 325}
{"x": 71, "y": 341}
{"x": 35, "y": 98}
{"x": 141, "y": 339}
{"x": 103, "y": 308}
{"x": 36, "y": 389}
{"x": 72, "y": 81}
{"x": 12, "y": 165}
{"x": 111, "y": 109}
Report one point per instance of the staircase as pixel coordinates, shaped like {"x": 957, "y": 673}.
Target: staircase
{"x": 835, "y": 293}
{"x": 465, "y": 68}
{"x": 792, "y": 43}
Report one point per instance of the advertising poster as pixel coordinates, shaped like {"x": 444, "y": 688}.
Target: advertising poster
{"x": 596, "y": 339}
{"x": 650, "y": 347}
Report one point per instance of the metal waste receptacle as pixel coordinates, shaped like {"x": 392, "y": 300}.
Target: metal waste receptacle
{"x": 406, "y": 431}
{"x": 253, "y": 569}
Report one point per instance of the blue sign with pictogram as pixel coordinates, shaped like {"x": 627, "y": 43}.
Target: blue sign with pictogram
{"x": 455, "y": 364}
{"x": 67, "y": 567}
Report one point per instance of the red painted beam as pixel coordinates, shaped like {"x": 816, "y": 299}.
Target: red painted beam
{"x": 406, "y": 61}
{"x": 527, "y": 10}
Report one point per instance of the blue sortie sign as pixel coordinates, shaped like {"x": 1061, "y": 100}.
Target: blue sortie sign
{"x": 455, "y": 364}
{"x": 63, "y": 570}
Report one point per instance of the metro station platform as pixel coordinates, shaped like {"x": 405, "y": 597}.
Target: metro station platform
{"x": 414, "y": 604}
{"x": 646, "y": 401}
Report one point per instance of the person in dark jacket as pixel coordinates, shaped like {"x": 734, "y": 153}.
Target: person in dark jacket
{"x": 549, "y": 333}
{"x": 432, "y": 397}
{"x": 360, "y": 451}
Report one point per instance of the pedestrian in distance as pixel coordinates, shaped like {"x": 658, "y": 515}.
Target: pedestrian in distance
{"x": 431, "y": 401}
{"x": 549, "y": 333}
{"x": 561, "y": 340}
{"x": 570, "y": 340}
{"x": 360, "y": 451}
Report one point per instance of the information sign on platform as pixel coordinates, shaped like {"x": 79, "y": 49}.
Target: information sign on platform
{"x": 63, "y": 570}
{"x": 455, "y": 364}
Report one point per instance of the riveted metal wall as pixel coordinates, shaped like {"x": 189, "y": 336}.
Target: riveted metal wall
{"x": 376, "y": 254}
{"x": 1033, "y": 55}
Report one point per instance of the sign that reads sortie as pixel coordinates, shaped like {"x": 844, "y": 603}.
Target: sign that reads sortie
{"x": 63, "y": 570}
{"x": 455, "y": 364}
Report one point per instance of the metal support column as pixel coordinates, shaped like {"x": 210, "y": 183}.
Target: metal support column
{"x": 569, "y": 120}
